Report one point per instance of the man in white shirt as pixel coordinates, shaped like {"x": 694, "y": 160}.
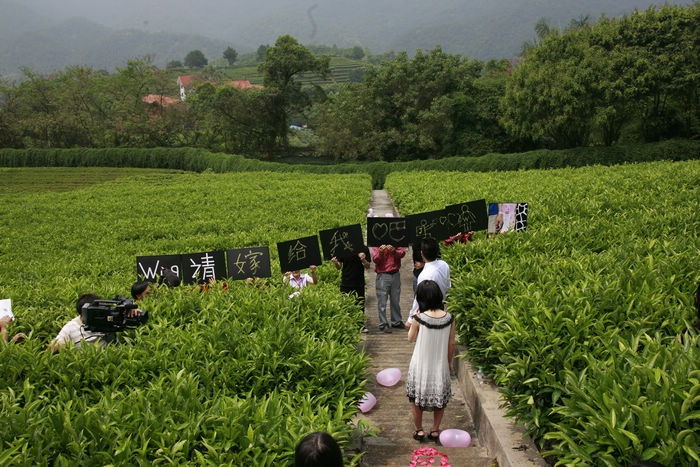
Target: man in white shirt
{"x": 74, "y": 331}
{"x": 434, "y": 269}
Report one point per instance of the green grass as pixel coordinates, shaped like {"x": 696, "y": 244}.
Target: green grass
{"x": 41, "y": 179}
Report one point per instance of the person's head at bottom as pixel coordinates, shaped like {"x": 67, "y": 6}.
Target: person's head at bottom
{"x": 318, "y": 449}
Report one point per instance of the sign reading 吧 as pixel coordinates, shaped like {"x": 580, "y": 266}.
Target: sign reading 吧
{"x": 335, "y": 242}
{"x": 387, "y": 231}
{"x": 507, "y": 217}
{"x": 202, "y": 267}
{"x": 465, "y": 217}
{"x": 248, "y": 262}
{"x": 299, "y": 253}
{"x": 431, "y": 224}
{"x": 151, "y": 268}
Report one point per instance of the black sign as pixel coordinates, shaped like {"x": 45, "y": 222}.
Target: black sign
{"x": 465, "y": 217}
{"x": 151, "y": 268}
{"x": 248, "y": 262}
{"x": 201, "y": 267}
{"x": 335, "y": 242}
{"x": 432, "y": 224}
{"x": 299, "y": 254}
{"x": 387, "y": 231}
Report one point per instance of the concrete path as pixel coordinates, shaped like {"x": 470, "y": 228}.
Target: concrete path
{"x": 474, "y": 407}
{"x": 392, "y": 414}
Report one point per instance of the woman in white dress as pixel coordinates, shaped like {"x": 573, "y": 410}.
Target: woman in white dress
{"x": 428, "y": 385}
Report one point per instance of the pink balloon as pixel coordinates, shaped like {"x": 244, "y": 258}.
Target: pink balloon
{"x": 367, "y": 402}
{"x": 454, "y": 438}
{"x": 389, "y": 376}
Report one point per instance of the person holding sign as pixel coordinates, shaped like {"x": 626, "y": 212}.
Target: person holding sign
{"x": 387, "y": 263}
{"x": 298, "y": 280}
{"x": 352, "y": 278}
{"x": 6, "y": 320}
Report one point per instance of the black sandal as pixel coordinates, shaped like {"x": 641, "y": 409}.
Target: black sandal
{"x": 434, "y": 438}
{"x": 418, "y": 437}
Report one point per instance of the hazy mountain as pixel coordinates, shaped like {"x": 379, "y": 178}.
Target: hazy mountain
{"x": 44, "y": 34}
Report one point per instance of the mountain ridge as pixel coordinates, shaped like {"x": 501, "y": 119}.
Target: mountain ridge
{"x": 45, "y": 36}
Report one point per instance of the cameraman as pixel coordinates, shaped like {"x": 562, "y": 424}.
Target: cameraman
{"x": 74, "y": 331}
{"x": 140, "y": 290}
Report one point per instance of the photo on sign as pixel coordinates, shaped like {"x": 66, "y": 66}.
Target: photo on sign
{"x": 6, "y": 308}
{"x": 431, "y": 224}
{"x": 199, "y": 268}
{"x": 336, "y": 242}
{"x": 152, "y": 268}
{"x": 467, "y": 217}
{"x": 248, "y": 262}
{"x": 299, "y": 253}
{"x": 387, "y": 231}
{"x": 507, "y": 217}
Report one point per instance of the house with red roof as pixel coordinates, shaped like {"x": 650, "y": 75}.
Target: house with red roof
{"x": 244, "y": 84}
{"x": 186, "y": 83}
{"x": 157, "y": 103}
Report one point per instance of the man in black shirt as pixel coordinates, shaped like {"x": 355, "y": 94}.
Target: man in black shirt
{"x": 352, "y": 278}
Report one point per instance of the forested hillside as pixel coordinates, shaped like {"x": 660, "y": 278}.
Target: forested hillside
{"x": 626, "y": 80}
{"x": 36, "y": 34}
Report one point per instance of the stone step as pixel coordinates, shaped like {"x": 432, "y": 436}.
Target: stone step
{"x": 383, "y": 451}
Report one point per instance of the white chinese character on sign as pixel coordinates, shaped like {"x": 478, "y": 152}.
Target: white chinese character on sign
{"x": 207, "y": 266}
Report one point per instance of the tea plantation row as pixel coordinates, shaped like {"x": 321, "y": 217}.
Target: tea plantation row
{"x": 233, "y": 376}
{"x": 578, "y": 318}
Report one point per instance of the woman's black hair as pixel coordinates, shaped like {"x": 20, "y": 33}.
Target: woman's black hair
{"x": 429, "y": 296}
{"x": 318, "y": 449}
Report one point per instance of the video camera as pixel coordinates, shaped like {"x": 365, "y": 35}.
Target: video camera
{"x": 111, "y": 315}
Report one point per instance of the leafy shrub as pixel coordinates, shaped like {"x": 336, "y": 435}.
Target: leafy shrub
{"x": 198, "y": 160}
{"x": 233, "y": 376}
{"x": 567, "y": 315}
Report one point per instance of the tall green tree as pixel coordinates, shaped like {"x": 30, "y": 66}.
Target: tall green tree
{"x": 548, "y": 99}
{"x": 195, "y": 59}
{"x": 637, "y": 74}
{"x": 283, "y": 64}
{"x": 406, "y": 109}
{"x": 230, "y": 55}
{"x": 232, "y": 120}
{"x": 260, "y": 52}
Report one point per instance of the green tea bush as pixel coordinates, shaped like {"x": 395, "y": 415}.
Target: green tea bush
{"x": 577, "y": 318}
{"x": 198, "y": 160}
{"x": 230, "y": 376}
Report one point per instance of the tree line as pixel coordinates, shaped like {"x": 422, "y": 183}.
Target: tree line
{"x": 621, "y": 80}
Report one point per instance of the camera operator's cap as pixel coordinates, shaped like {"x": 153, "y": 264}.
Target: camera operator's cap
{"x": 171, "y": 278}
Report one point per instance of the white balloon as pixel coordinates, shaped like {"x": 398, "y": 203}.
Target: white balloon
{"x": 367, "y": 402}
{"x": 454, "y": 438}
{"x": 389, "y": 376}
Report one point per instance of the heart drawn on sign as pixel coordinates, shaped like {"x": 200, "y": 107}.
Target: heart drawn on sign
{"x": 442, "y": 220}
{"x": 452, "y": 219}
{"x": 380, "y": 230}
